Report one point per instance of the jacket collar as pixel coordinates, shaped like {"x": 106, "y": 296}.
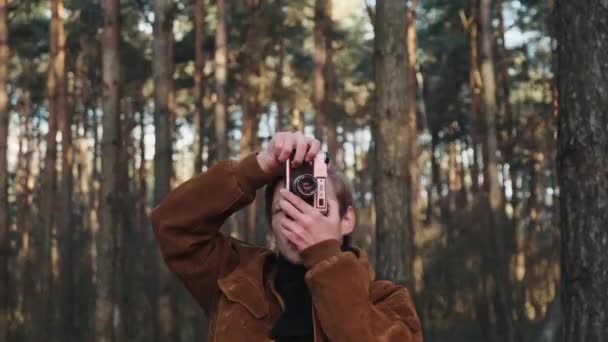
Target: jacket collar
{"x": 245, "y": 285}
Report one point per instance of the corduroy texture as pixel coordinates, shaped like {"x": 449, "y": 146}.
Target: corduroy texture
{"x": 233, "y": 281}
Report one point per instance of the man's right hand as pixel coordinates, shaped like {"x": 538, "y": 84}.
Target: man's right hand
{"x": 280, "y": 147}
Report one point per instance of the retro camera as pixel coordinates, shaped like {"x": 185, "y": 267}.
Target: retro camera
{"x": 309, "y": 181}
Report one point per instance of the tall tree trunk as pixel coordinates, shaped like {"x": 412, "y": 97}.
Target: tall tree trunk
{"x": 28, "y": 255}
{"x": 130, "y": 304}
{"x": 390, "y": 132}
{"x": 329, "y": 104}
{"x": 412, "y": 90}
{"x": 436, "y": 181}
{"x": 199, "y": 84}
{"x": 20, "y": 286}
{"x": 148, "y": 254}
{"x": 279, "y": 91}
{"x": 471, "y": 25}
{"x": 489, "y": 103}
{"x": 252, "y": 108}
{"x": 505, "y": 81}
{"x": 65, "y": 226}
{"x": 4, "y": 221}
{"x": 509, "y": 148}
{"x": 42, "y": 317}
{"x": 24, "y": 184}
{"x": 582, "y": 32}
{"x": 221, "y": 71}
{"x": 108, "y": 315}
{"x": 150, "y": 267}
{"x": 61, "y": 269}
{"x": 492, "y": 188}
{"x": 95, "y": 199}
{"x": 163, "y": 161}
{"x": 322, "y": 8}
{"x": 83, "y": 267}
{"x": 94, "y": 195}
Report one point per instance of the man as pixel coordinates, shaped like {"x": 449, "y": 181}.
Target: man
{"x": 316, "y": 288}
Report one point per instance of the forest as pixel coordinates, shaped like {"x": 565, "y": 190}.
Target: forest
{"x": 473, "y": 134}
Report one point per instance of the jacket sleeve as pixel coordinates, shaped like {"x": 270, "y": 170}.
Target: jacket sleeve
{"x": 187, "y": 222}
{"x": 348, "y": 308}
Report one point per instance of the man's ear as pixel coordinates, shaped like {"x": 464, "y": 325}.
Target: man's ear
{"x": 347, "y": 222}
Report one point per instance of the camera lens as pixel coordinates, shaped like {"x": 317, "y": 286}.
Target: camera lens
{"x": 305, "y": 185}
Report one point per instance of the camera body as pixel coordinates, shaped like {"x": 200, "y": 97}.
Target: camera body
{"x": 309, "y": 181}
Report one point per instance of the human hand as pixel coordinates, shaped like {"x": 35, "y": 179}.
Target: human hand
{"x": 303, "y": 225}
{"x": 280, "y": 147}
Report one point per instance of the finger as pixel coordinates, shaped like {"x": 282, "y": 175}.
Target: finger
{"x": 291, "y": 225}
{"x": 293, "y": 229}
{"x": 315, "y": 147}
{"x": 287, "y": 147}
{"x": 301, "y": 149}
{"x": 298, "y": 203}
{"x": 292, "y": 237}
{"x": 291, "y": 211}
{"x": 278, "y": 144}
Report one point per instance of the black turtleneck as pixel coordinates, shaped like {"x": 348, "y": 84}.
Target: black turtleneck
{"x": 295, "y": 323}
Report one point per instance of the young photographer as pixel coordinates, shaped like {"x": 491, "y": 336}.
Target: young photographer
{"x": 316, "y": 288}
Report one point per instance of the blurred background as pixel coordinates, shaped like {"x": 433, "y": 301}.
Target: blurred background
{"x": 441, "y": 113}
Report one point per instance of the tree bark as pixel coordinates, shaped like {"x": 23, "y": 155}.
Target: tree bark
{"x": 435, "y": 184}
{"x": 329, "y": 104}
{"x": 83, "y": 267}
{"x": 492, "y": 188}
{"x": 65, "y": 224}
{"x": 412, "y": 90}
{"x": 28, "y": 256}
{"x": 252, "y": 85}
{"x": 163, "y": 162}
{"x": 390, "y": 133}
{"x": 130, "y": 257}
{"x": 582, "y": 32}
{"x": 163, "y": 79}
{"x": 95, "y": 201}
{"x": 489, "y": 105}
{"x": 20, "y": 285}
{"x": 505, "y": 82}
{"x": 148, "y": 254}
{"x": 42, "y": 316}
{"x": 320, "y": 58}
{"x": 221, "y": 71}
{"x": 279, "y": 91}
{"x": 471, "y": 24}
{"x": 108, "y": 315}
{"x": 94, "y": 195}
{"x": 4, "y": 219}
{"x": 199, "y": 83}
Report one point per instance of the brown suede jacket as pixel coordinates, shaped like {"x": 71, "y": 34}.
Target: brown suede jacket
{"x": 233, "y": 281}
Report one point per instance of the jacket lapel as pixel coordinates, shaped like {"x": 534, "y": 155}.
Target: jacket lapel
{"x": 244, "y": 285}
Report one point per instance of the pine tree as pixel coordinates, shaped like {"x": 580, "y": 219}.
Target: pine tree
{"x": 582, "y": 30}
